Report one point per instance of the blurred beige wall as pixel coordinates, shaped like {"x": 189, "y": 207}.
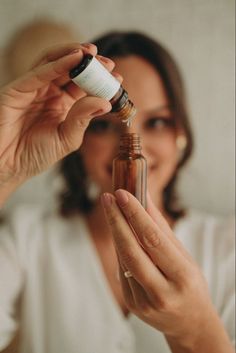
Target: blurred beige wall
{"x": 201, "y": 36}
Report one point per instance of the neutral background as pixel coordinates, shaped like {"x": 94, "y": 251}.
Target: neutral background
{"x": 200, "y": 34}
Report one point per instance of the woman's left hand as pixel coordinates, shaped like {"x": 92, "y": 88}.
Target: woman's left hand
{"x": 163, "y": 286}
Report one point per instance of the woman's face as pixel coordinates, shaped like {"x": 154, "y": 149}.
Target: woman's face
{"x": 154, "y": 122}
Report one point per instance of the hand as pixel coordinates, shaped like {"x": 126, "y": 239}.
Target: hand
{"x": 43, "y": 115}
{"x": 166, "y": 288}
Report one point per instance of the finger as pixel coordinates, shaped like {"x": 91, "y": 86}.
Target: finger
{"x": 65, "y": 80}
{"x": 44, "y": 74}
{"x": 154, "y": 240}
{"x": 73, "y": 91}
{"x": 72, "y": 129}
{"x": 136, "y": 298}
{"x": 56, "y": 52}
{"x": 117, "y": 76}
{"x": 129, "y": 300}
{"x": 106, "y": 62}
{"x": 141, "y": 300}
{"x": 160, "y": 220}
{"x": 130, "y": 253}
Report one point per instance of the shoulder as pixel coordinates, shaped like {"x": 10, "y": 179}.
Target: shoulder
{"x": 31, "y": 227}
{"x": 31, "y": 216}
{"x": 25, "y": 219}
{"x": 210, "y": 241}
{"x": 25, "y": 214}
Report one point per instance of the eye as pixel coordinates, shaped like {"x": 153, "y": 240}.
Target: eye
{"x": 97, "y": 126}
{"x": 160, "y": 124}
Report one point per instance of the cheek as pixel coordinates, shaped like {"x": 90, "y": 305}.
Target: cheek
{"x": 166, "y": 156}
{"x": 168, "y": 162}
{"x": 168, "y": 151}
{"x": 163, "y": 149}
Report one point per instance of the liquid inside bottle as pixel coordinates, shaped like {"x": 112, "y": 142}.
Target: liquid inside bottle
{"x": 130, "y": 168}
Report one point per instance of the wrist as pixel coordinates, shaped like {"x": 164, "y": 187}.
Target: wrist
{"x": 211, "y": 337}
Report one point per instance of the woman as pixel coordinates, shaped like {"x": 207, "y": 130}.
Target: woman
{"x": 65, "y": 267}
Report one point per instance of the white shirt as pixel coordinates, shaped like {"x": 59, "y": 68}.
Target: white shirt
{"x": 50, "y": 269}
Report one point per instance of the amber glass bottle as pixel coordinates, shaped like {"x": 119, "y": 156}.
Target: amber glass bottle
{"x": 130, "y": 168}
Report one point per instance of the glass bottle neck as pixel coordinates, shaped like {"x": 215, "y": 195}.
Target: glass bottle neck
{"x": 130, "y": 143}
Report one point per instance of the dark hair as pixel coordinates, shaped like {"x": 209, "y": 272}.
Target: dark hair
{"x": 121, "y": 44}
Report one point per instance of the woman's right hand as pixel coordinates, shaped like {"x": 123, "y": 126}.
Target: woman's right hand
{"x": 43, "y": 115}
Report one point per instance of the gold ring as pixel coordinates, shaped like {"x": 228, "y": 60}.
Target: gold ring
{"x": 128, "y": 274}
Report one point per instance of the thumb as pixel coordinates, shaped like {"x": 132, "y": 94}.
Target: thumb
{"x": 72, "y": 129}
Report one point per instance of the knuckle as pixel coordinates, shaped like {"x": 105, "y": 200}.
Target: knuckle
{"x": 166, "y": 305}
{"x": 132, "y": 215}
{"x": 193, "y": 279}
{"x": 151, "y": 238}
{"x": 145, "y": 308}
{"x": 181, "y": 275}
{"x": 165, "y": 300}
{"x": 112, "y": 219}
{"x": 129, "y": 257}
{"x": 189, "y": 279}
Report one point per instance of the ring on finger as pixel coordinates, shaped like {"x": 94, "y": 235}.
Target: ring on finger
{"x": 128, "y": 274}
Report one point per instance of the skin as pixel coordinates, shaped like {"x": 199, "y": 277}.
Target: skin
{"x": 38, "y": 117}
{"x": 44, "y": 114}
{"x": 173, "y": 299}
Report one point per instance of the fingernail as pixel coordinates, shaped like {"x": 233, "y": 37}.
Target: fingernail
{"x": 103, "y": 58}
{"x": 121, "y": 197}
{"x": 106, "y": 200}
{"x": 73, "y": 51}
{"x": 98, "y": 112}
{"x": 86, "y": 45}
